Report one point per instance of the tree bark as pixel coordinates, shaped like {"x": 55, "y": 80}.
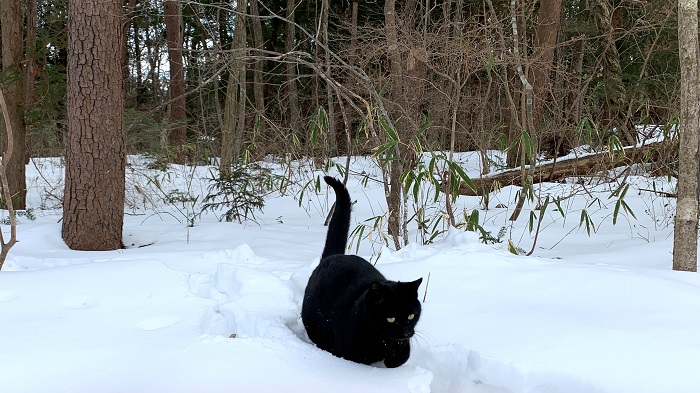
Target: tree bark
{"x": 126, "y": 26}
{"x": 614, "y": 86}
{"x": 323, "y": 38}
{"x": 234, "y": 109}
{"x": 93, "y": 204}
{"x": 393, "y": 189}
{"x": 353, "y": 31}
{"x": 685, "y": 237}
{"x": 178, "y": 112}
{"x": 294, "y": 121}
{"x": 581, "y": 166}
{"x": 258, "y": 92}
{"x": 546, "y": 32}
{"x": 12, "y": 56}
{"x": 32, "y": 70}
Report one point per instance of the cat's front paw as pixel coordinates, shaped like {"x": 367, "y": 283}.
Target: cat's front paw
{"x": 398, "y": 354}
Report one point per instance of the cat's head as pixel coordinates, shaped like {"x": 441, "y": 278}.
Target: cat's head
{"x": 394, "y": 308}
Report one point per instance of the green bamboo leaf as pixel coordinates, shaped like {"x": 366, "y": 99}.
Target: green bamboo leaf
{"x": 503, "y": 143}
{"x": 474, "y": 218}
{"x": 505, "y": 146}
{"x": 416, "y": 187}
{"x": 340, "y": 169}
{"x": 256, "y": 125}
{"x": 427, "y": 123}
{"x": 431, "y": 166}
{"x": 301, "y": 197}
{"x": 407, "y": 179}
{"x": 628, "y": 209}
{"x": 594, "y": 200}
{"x": 435, "y": 182}
{"x": 454, "y": 187}
{"x": 390, "y": 132}
{"x": 511, "y": 247}
{"x": 614, "y": 145}
{"x": 462, "y": 175}
{"x": 616, "y": 211}
{"x": 417, "y": 143}
{"x": 385, "y": 149}
{"x": 616, "y": 192}
{"x": 557, "y": 203}
{"x": 359, "y": 238}
{"x": 585, "y": 219}
{"x": 322, "y": 118}
{"x": 624, "y": 191}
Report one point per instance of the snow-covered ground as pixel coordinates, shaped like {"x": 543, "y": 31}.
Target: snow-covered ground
{"x": 215, "y": 307}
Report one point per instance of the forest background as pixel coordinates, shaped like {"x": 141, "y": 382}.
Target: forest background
{"x": 229, "y": 84}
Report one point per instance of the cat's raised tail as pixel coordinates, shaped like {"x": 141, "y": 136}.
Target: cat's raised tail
{"x": 339, "y": 227}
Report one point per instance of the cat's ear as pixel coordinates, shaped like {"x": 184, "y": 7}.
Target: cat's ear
{"x": 376, "y": 292}
{"x": 415, "y": 284}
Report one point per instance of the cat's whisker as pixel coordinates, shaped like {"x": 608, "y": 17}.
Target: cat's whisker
{"x": 418, "y": 337}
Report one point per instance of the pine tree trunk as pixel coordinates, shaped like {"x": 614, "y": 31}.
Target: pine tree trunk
{"x": 685, "y": 239}
{"x": 353, "y": 31}
{"x": 294, "y": 121}
{"x": 614, "y": 86}
{"x": 233, "y": 128}
{"x": 32, "y": 69}
{"x": 137, "y": 61}
{"x": 93, "y": 204}
{"x": 178, "y": 111}
{"x": 14, "y": 88}
{"x": 546, "y": 32}
{"x": 258, "y": 92}
{"x": 330, "y": 104}
{"x": 126, "y": 26}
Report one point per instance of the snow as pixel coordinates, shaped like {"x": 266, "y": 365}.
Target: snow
{"x": 588, "y": 314}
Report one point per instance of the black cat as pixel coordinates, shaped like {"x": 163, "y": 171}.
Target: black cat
{"x": 350, "y": 309}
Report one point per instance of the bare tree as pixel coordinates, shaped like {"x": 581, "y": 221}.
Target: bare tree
{"x": 93, "y": 203}
{"x": 12, "y": 57}
{"x": 178, "y": 111}
{"x": 5, "y": 247}
{"x": 685, "y": 239}
{"x": 393, "y": 190}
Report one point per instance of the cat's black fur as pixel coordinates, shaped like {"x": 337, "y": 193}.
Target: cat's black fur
{"x": 349, "y": 305}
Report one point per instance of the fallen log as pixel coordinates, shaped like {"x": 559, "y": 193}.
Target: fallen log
{"x": 578, "y": 166}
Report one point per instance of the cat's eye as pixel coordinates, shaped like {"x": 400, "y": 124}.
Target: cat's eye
{"x": 411, "y": 316}
{"x": 391, "y": 319}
